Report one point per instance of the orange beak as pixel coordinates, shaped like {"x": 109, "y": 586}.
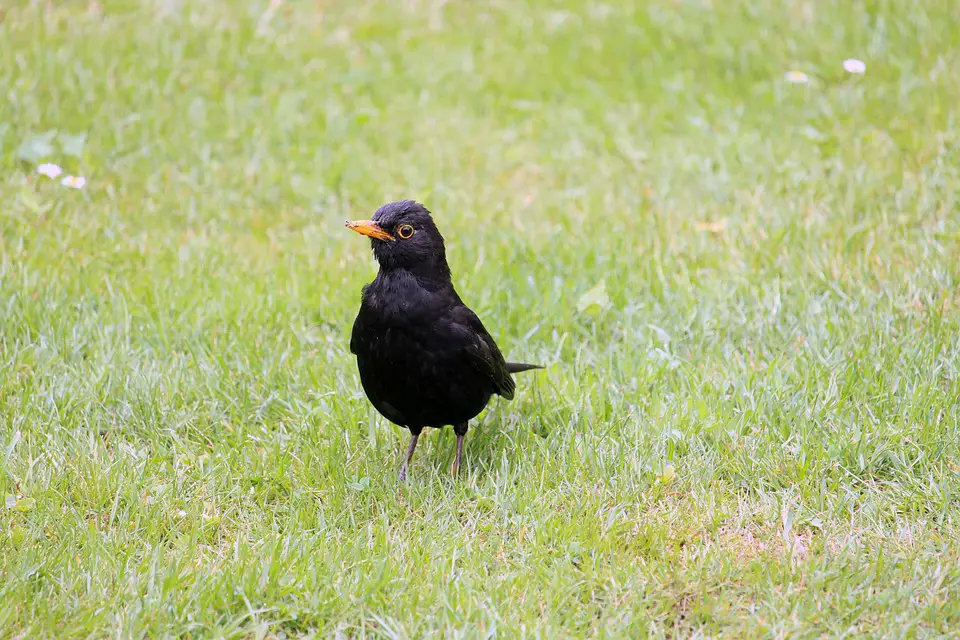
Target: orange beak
{"x": 369, "y": 228}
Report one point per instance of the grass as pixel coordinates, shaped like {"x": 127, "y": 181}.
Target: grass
{"x": 752, "y": 430}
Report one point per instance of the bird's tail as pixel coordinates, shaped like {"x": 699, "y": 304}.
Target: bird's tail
{"x": 517, "y": 367}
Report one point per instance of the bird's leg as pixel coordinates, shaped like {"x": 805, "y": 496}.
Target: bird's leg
{"x": 415, "y": 435}
{"x": 461, "y": 431}
{"x": 455, "y": 470}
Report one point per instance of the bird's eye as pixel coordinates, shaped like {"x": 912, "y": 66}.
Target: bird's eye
{"x": 405, "y": 231}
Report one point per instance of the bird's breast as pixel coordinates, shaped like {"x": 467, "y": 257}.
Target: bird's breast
{"x": 409, "y": 367}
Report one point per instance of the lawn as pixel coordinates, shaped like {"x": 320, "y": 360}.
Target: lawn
{"x": 745, "y": 291}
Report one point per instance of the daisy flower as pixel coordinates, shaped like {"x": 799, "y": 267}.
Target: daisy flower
{"x": 74, "y": 182}
{"x": 853, "y": 65}
{"x": 49, "y": 170}
{"x": 796, "y": 77}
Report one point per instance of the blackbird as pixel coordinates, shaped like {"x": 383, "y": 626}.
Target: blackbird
{"x": 424, "y": 357}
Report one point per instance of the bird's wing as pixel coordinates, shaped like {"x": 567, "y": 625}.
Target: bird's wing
{"x": 359, "y": 321}
{"x": 353, "y": 336}
{"x": 482, "y": 351}
{"x": 356, "y": 334}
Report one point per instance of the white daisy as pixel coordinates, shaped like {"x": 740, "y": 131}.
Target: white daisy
{"x": 796, "y": 77}
{"x": 74, "y": 182}
{"x": 854, "y": 66}
{"x": 49, "y": 170}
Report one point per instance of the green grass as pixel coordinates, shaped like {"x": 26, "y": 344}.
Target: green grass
{"x": 754, "y": 433}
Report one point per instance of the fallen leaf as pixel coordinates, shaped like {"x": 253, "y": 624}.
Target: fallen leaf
{"x": 73, "y": 145}
{"x": 595, "y": 300}
{"x": 18, "y": 534}
{"x": 35, "y": 148}
{"x": 26, "y": 504}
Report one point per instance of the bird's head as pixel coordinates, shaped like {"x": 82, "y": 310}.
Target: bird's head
{"x": 404, "y": 236}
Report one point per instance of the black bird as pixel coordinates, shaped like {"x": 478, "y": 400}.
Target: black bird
{"x": 425, "y": 359}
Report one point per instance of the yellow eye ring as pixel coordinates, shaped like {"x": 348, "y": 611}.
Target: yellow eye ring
{"x": 405, "y": 231}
